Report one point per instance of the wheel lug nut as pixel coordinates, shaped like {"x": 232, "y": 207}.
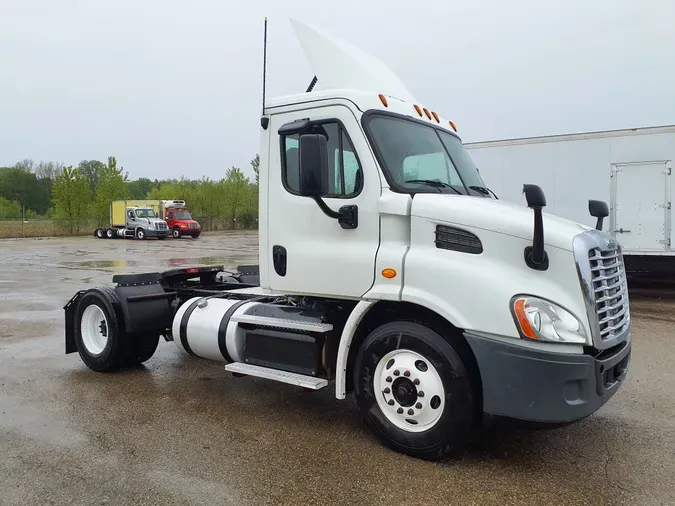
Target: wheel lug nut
{"x": 396, "y": 373}
{"x": 388, "y": 379}
{"x": 411, "y": 412}
{"x": 406, "y": 373}
{"x": 387, "y": 390}
{"x": 416, "y": 381}
{"x": 420, "y": 394}
{"x": 391, "y": 402}
{"x": 399, "y": 411}
{"x": 418, "y": 405}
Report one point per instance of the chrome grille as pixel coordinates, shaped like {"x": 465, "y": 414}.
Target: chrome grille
{"x": 160, "y": 225}
{"x": 609, "y": 289}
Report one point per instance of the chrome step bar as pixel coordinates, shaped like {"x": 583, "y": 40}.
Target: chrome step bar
{"x": 276, "y": 375}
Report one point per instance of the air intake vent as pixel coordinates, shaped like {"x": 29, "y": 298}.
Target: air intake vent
{"x": 456, "y": 239}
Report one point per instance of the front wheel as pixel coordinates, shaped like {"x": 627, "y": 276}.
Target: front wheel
{"x": 195, "y": 235}
{"x": 140, "y": 233}
{"x": 414, "y": 391}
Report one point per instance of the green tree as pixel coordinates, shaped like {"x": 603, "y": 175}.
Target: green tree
{"x": 255, "y": 165}
{"x": 112, "y": 185}
{"x": 9, "y": 209}
{"x": 236, "y": 192}
{"x": 72, "y": 198}
{"x": 91, "y": 170}
{"x": 141, "y": 188}
{"x": 21, "y": 185}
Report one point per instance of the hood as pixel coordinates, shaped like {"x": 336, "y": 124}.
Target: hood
{"x": 496, "y": 216}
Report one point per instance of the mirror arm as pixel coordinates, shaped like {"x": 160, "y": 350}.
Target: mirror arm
{"x": 326, "y": 210}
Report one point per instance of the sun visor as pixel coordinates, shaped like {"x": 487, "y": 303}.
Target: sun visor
{"x": 338, "y": 64}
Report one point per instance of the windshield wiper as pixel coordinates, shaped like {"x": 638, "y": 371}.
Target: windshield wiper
{"x": 434, "y": 183}
{"x": 484, "y": 191}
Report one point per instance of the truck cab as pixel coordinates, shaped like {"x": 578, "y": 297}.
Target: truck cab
{"x": 145, "y": 223}
{"x": 388, "y": 267}
{"x": 181, "y": 223}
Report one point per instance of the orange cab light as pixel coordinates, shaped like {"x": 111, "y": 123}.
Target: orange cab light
{"x": 418, "y": 109}
{"x": 389, "y": 273}
{"x": 383, "y": 99}
{"x": 523, "y": 322}
{"x": 426, "y": 111}
{"x": 435, "y": 117}
{"x": 453, "y": 126}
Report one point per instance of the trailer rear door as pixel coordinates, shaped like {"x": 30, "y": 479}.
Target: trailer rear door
{"x": 640, "y": 217}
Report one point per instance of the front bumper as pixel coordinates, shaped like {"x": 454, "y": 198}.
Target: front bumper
{"x": 542, "y": 386}
{"x": 150, "y": 232}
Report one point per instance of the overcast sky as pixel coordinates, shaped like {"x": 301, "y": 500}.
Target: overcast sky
{"x": 173, "y": 87}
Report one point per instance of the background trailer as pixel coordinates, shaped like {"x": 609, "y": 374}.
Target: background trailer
{"x": 630, "y": 169}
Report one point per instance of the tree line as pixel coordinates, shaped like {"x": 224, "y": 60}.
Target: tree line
{"x": 79, "y": 195}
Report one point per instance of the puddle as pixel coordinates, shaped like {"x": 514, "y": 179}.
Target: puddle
{"x": 102, "y": 264}
{"x": 175, "y": 262}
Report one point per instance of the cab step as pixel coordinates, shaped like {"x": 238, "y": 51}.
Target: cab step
{"x": 291, "y": 378}
{"x": 282, "y": 323}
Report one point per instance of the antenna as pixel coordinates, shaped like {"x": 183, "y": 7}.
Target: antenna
{"x": 264, "y": 66}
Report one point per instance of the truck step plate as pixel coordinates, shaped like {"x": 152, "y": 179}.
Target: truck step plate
{"x": 276, "y": 375}
{"x": 267, "y": 321}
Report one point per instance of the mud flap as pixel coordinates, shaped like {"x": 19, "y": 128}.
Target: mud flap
{"x": 69, "y": 310}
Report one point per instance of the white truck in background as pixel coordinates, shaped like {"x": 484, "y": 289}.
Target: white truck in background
{"x": 388, "y": 269}
{"x": 631, "y": 169}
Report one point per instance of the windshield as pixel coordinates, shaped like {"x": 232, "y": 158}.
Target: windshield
{"x": 182, "y": 215}
{"x": 145, "y": 213}
{"x": 417, "y": 157}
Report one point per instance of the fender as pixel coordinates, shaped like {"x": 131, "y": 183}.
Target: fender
{"x": 356, "y": 317}
{"x": 345, "y": 343}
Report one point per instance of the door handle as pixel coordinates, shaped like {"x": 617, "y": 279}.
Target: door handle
{"x": 622, "y": 231}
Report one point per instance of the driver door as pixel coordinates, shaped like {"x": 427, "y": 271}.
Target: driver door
{"x": 309, "y": 252}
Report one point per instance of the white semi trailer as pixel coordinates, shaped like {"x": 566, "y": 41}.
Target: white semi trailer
{"x": 631, "y": 169}
{"x": 387, "y": 269}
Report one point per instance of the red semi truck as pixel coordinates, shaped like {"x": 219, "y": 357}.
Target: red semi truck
{"x": 179, "y": 219}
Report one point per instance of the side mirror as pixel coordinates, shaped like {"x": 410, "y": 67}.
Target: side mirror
{"x": 313, "y": 155}
{"x": 599, "y": 210}
{"x": 535, "y": 255}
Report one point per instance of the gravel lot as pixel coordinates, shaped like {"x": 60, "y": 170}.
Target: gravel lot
{"x": 182, "y": 431}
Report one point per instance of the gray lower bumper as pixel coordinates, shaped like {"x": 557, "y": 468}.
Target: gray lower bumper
{"x": 541, "y": 386}
{"x": 156, "y": 233}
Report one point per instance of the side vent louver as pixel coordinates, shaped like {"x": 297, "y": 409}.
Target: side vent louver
{"x": 455, "y": 239}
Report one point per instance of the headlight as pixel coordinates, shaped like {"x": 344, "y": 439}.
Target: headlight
{"x": 542, "y": 320}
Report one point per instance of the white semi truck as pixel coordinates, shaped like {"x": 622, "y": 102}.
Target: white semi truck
{"x": 388, "y": 270}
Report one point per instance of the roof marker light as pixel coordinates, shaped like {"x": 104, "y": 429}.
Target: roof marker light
{"x": 383, "y": 99}
{"x": 426, "y": 111}
{"x": 453, "y": 126}
{"x": 435, "y": 117}
{"x": 418, "y": 109}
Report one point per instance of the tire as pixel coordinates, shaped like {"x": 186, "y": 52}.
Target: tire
{"x": 105, "y": 350}
{"x": 195, "y": 235}
{"x": 98, "y": 233}
{"x": 110, "y": 233}
{"x": 140, "y": 234}
{"x": 444, "y": 415}
{"x": 175, "y": 233}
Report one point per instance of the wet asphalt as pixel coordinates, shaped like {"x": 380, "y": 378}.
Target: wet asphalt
{"x": 183, "y": 431}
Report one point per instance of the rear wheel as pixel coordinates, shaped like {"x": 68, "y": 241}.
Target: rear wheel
{"x": 176, "y": 233}
{"x": 99, "y": 233}
{"x": 110, "y": 233}
{"x": 100, "y": 341}
{"x": 141, "y": 348}
{"x": 414, "y": 390}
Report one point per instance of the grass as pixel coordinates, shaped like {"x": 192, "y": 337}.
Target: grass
{"x": 40, "y": 228}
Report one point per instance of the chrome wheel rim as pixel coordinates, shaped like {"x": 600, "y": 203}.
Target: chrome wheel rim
{"x": 409, "y": 390}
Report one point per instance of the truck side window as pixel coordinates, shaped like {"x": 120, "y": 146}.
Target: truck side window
{"x": 345, "y": 177}
{"x": 170, "y": 216}
{"x": 130, "y": 214}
